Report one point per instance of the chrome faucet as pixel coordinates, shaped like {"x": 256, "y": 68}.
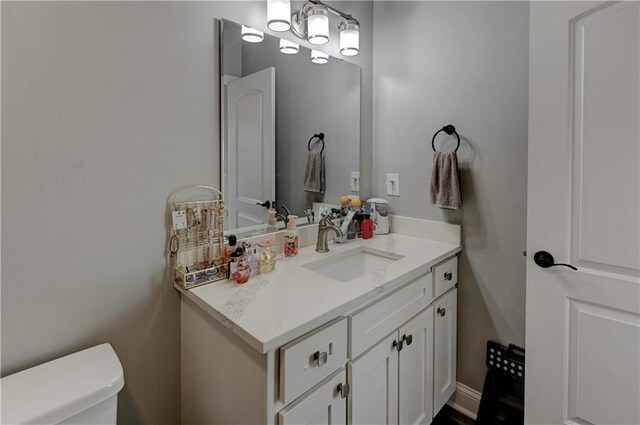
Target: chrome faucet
{"x": 323, "y": 230}
{"x": 287, "y": 212}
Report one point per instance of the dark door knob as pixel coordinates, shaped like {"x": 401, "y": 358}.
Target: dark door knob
{"x": 266, "y": 204}
{"x": 546, "y": 260}
{"x": 408, "y": 339}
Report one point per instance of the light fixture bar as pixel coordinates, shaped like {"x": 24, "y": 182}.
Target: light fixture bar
{"x": 332, "y": 10}
{"x": 299, "y": 21}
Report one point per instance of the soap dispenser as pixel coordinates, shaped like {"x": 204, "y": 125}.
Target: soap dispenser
{"x": 272, "y": 221}
{"x": 291, "y": 237}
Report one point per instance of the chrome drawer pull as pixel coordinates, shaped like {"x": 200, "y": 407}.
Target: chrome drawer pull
{"x": 320, "y": 358}
{"x": 448, "y": 276}
{"x": 442, "y": 311}
{"x": 397, "y": 345}
{"x": 343, "y": 389}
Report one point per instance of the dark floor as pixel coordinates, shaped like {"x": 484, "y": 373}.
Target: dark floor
{"x": 449, "y": 416}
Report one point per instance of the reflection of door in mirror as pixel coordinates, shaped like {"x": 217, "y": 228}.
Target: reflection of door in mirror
{"x": 250, "y": 153}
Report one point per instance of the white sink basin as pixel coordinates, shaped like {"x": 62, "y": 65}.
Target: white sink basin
{"x": 352, "y": 264}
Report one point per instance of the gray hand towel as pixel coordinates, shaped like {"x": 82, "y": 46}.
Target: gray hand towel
{"x": 314, "y": 173}
{"x": 445, "y": 181}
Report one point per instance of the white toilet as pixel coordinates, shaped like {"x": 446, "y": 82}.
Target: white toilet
{"x": 81, "y": 388}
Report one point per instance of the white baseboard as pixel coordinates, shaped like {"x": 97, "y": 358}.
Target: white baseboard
{"x": 465, "y": 400}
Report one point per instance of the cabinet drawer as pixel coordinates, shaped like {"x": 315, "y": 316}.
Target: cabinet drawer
{"x": 372, "y": 323}
{"x": 311, "y": 358}
{"x": 445, "y": 276}
{"x": 326, "y": 404}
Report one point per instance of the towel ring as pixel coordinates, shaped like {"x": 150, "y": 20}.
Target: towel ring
{"x": 449, "y": 129}
{"x": 320, "y": 137}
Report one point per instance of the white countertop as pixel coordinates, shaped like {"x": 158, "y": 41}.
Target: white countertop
{"x": 277, "y": 307}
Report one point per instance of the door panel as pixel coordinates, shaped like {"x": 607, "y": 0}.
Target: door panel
{"x": 445, "y": 346}
{"x": 323, "y": 406}
{"x": 583, "y": 327}
{"x": 250, "y": 148}
{"x": 596, "y": 367}
{"x": 374, "y": 385}
{"x": 606, "y": 176}
{"x": 416, "y": 370}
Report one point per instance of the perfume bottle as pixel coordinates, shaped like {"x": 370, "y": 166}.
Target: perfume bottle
{"x": 242, "y": 271}
{"x": 291, "y": 237}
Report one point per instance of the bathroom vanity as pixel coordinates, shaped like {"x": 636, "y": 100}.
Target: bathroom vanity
{"x": 363, "y": 334}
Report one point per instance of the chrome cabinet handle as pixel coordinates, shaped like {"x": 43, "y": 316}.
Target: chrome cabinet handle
{"x": 320, "y": 358}
{"x": 448, "y": 276}
{"x": 442, "y": 311}
{"x": 408, "y": 339}
{"x": 343, "y": 389}
{"x": 397, "y": 345}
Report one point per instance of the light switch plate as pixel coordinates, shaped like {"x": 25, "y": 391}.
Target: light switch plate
{"x": 355, "y": 181}
{"x": 393, "y": 184}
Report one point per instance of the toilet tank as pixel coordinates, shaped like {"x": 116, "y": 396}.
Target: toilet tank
{"x": 81, "y": 388}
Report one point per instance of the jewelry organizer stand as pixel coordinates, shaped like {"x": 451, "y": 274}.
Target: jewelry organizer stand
{"x": 196, "y": 246}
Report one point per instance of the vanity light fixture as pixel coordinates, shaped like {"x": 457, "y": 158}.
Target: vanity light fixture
{"x": 311, "y": 23}
{"x": 252, "y": 35}
{"x": 289, "y": 47}
{"x": 319, "y": 57}
{"x": 279, "y": 15}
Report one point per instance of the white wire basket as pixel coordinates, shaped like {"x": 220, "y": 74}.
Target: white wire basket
{"x": 196, "y": 246}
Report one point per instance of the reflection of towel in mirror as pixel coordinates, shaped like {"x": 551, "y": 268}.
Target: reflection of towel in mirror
{"x": 445, "y": 181}
{"x": 314, "y": 173}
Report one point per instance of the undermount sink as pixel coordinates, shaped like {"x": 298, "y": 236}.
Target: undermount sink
{"x": 352, "y": 264}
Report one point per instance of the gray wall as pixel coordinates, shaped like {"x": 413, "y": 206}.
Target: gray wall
{"x": 464, "y": 63}
{"x": 310, "y": 98}
{"x": 108, "y": 108}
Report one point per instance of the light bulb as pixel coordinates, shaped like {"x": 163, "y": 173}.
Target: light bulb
{"x": 252, "y": 35}
{"x": 318, "y": 25}
{"x": 289, "y": 47}
{"x": 278, "y": 15}
{"x": 319, "y": 57}
{"x": 349, "y": 38}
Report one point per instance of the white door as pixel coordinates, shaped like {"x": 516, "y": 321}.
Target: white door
{"x": 250, "y": 150}
{"x": 326, "y": 405}
{"x": 445, "y": 348}
{"x": 583, "y": 327}
{"x": 374, "y": 385}
{"x": 416, "y": 370}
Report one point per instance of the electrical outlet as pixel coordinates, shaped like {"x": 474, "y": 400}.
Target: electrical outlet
{"x": 355, "y": 181}
{"x": 393, "y": 184}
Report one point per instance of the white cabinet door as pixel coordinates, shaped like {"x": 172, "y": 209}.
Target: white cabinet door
{"x": 326, "y": 405}
{"x": 445, "y": 345}
{"x": 416, "y": 370}
{"x": 374, "y": 385}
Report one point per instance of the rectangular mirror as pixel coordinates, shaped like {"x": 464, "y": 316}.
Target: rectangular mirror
{"x": 272, "y": 105}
